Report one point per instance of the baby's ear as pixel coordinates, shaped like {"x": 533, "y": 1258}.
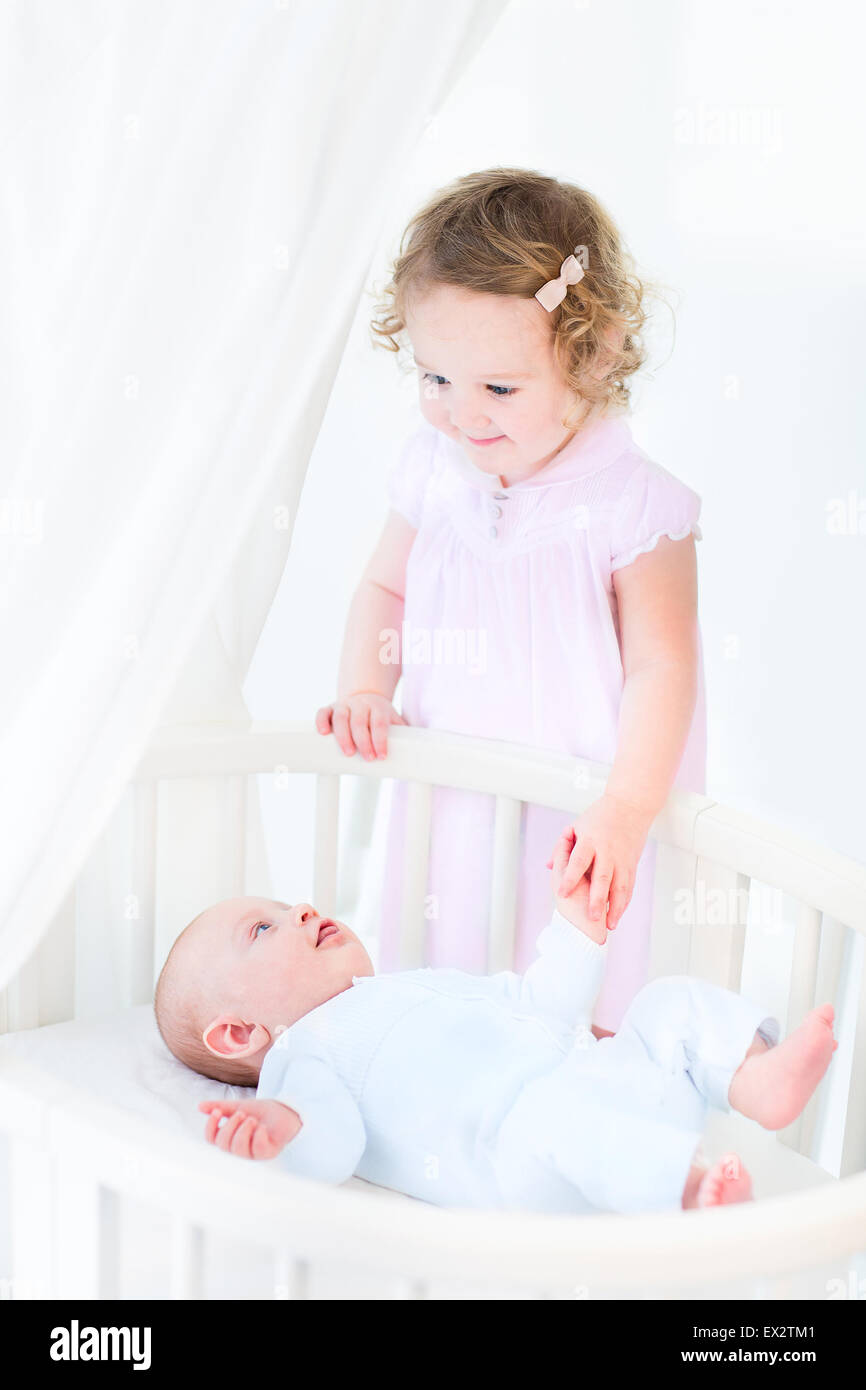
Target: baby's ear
{"x": 228, "y": 1036}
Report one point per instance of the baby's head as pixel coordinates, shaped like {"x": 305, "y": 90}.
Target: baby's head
{"x": 493, "y": 364}
{"x": 242, "y": 972}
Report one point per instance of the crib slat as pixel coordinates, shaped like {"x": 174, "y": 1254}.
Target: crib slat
{"x": 55, "y": 956}
{"x": 236, "y": 833}
{"x": 804, "y": 966}
{"x": 139, "y": 958}
{"x": 827, "y": 989}
{"x": 109, "y": 1244}
{"x": 801, "y": 996}
{"x": 326, "y": 843}
{"x": 291, "y": 1277}
{"x": 416, "y": 859}
{"x": 718, "y": 934}
{"x": 404, "y": 1288}
{"x": 854, "y": 1142}
{"x": 830, "y": 959}
{"x": 673, "y": 911}
{"x": 22, "y": 996}
{"x": 85, "y": 1229}
{"x": 31, "y": 1235}
{"x": 503, "y": 888}
{"x": 186, "y": 1270}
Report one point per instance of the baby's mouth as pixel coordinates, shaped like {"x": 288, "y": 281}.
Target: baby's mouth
{"x": 327, "y": 929}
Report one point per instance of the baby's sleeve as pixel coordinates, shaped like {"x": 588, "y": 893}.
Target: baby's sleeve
{"x": 563, "y": 981}
{"x": 332, "y": 1137}
{"x": 408, "y": 478}
{"x": 654, "y": 503}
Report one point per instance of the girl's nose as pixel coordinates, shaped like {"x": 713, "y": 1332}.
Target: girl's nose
{"x": 303, "y": 913}
{"x": 474, "y": 429}
{"x": 469, "y": 423}
{"x": 466, "y": 421}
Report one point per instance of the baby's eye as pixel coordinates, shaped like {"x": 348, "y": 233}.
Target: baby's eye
{"x": 260, "y": 926}
{"x": 506, "y": 390}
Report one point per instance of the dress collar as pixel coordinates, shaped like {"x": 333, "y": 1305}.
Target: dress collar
{"x": 595, "y": 445}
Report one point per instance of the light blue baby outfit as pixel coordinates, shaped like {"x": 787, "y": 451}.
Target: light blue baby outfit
{"x": 491, "y": 1091}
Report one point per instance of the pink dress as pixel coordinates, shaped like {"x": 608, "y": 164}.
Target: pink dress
{"x": 511, "y": 632}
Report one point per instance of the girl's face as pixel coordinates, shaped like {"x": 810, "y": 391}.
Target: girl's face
{"x": 486, "y": 371}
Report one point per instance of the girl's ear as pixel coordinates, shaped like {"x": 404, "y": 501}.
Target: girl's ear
{"x": 228, "y": 1036}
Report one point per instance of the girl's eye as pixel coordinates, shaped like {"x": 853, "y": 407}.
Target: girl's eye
{"x": 497, "y": 390}
{"x": 260, "y": 926}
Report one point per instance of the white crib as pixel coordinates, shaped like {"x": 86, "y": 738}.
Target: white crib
{"x": 106, "y": 1202}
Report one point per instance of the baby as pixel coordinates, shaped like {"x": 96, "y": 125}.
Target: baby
{"x": 464, "y": 1090}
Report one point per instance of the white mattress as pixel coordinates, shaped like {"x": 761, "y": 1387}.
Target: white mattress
{"x": 123, "y": 1060}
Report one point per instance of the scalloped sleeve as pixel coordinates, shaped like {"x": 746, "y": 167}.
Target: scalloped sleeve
{"x": 408, "y": 478}
{"x": 654, "y": 503}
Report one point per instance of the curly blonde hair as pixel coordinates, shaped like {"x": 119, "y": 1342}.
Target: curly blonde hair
{"x": 506, "y": 232}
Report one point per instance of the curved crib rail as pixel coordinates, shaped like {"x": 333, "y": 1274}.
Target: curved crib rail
{"x": 826, "y": 881}
{"x": 725, "y": 848}
{"x": 415, "y": 1243}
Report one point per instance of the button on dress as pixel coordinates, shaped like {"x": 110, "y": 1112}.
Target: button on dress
{"x": 511, "y": 632}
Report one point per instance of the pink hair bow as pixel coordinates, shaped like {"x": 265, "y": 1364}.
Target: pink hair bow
{"x": 553, "y": 293}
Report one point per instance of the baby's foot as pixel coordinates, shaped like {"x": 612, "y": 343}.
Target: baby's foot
{"x": 725, "y": 1182}
{"x": 774, "y": 1085}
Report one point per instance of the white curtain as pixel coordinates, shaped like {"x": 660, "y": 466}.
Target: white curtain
{"x": 190, "y": 201}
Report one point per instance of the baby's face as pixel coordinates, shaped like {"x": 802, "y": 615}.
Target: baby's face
{"x": 272, "y": 962}
{"x": 486, "y": 371}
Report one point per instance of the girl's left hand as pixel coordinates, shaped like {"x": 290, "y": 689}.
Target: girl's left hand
{"x": 610, "y": 836}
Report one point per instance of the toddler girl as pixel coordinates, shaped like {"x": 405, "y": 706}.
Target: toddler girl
{"x": 535, "y": 580}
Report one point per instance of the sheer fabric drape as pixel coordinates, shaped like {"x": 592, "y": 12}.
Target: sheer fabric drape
{"x": 191, "y": 197}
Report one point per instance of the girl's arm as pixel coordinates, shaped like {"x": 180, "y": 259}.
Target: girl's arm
{"x": 657, "y": 598}
{"x": 370, "y": 662}
{"x": 377, "y": 607}
{"x": 658, "y": 601}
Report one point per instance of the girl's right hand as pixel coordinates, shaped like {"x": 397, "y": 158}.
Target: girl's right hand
{"x": 360, "y": 723}
{"x": 575, "y": 907}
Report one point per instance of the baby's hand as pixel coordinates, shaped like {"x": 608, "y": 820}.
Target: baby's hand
{"x": 575, "y": 907}
{"x": 254, "y": 1128}
{"x": 360, "y": 723}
